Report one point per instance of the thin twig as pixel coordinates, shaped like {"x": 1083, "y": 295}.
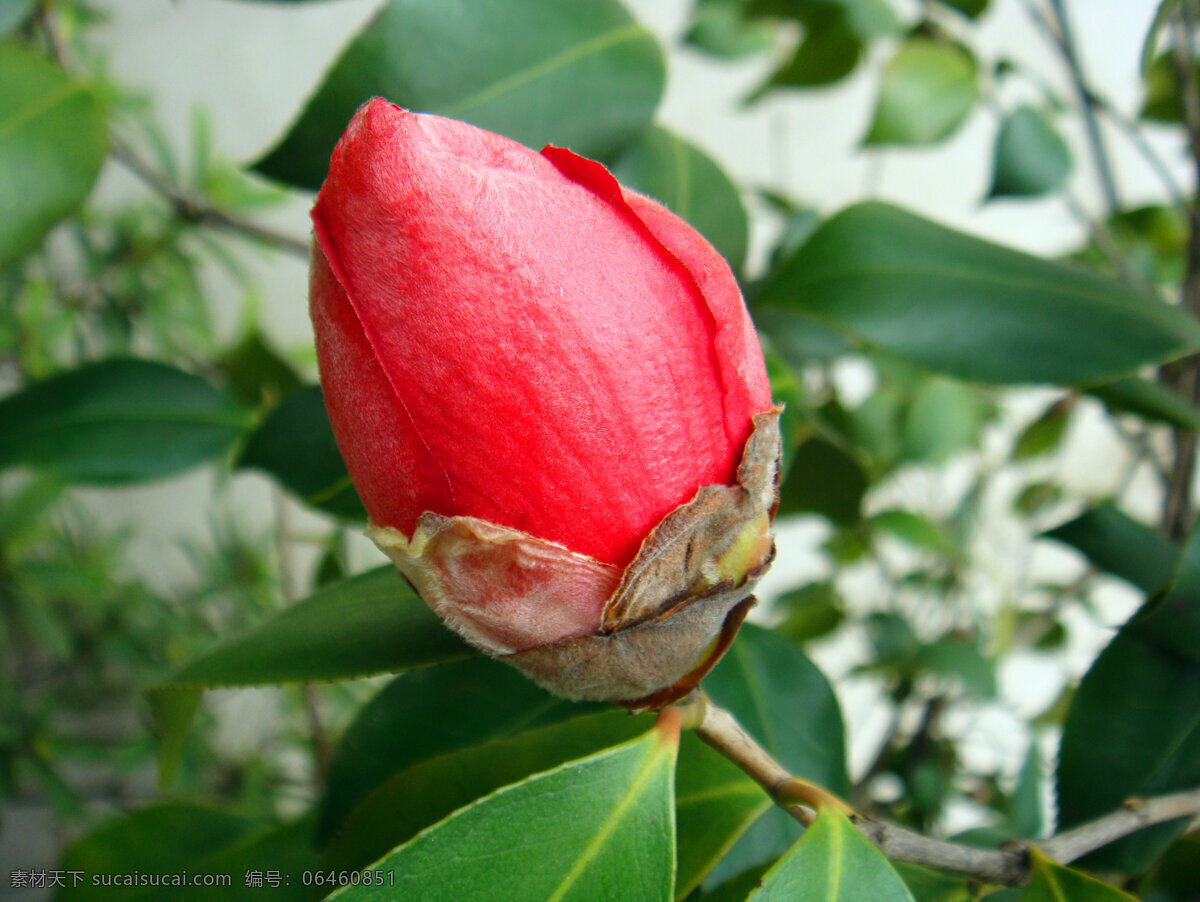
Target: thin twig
{"x": 1009, "y": 866}
{"x": 1066, "y": 44}
{"x": 198, "y": 211}
{"x": 190, "y": 209}
{"x": 1178, "y": 510}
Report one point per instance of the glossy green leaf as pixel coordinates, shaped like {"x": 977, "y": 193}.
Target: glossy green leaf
{"x": 832, "y": 862}
{"x": 425, "y": 792}
{"x": 369, "y": 624}
{"x": 928, "y": 89}
{"x": 13, "y": 13}
{"x": 761, "y": 679}
{"x": 685, "y": 180}
{"x": 295, "y": 444}
{"x": 53, "y": 139}
{"x": 1148, "y": 400}
{"x": 1030, "y": 157}
{"x": 579, "y": 75}
{"x": 892, "y": 282}
{"x": 715, "y": 803}
{"x": 431, "y": 712}
{"x": 594, "y": 829}
{"x": 780, "y": 697}
{"x": 1132, "y": 729}
{"x": 118, "y": 421}
{"x": 1054, "y": 883}
{"x": 1120, "y": 545}
{"x": 823, "y": 479}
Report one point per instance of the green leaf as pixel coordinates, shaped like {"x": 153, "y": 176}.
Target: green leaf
{"x": 809, "y": 612}
{"x": 1176, "y": 875}
{"x": 425, "y": 792}
{"x": 369, "y": 624}
{"x": 118, "y": 421}
{"x": 892, "y": 282}
{"x": 927, "y": 91}
{"x": 780, "y": 697}
{"x": 52, "y": 141}
{"x": 431, "y": 712}
{"x": 943, "y": 418}
{"x": 1148, "y": 400}
{"x": 1025, "y": 814}
{"x": 598, "y": 828}
{"x": 787, "y": 390}
{"x": 829, "y": 52}
{"x": 916, "y": 530}
{"x": 1031, "y": 158}
{"x": 972, "y": 9}
{"x": 928, "y": 885}
{"x": 1054, "y": 883}
{"x": 1132, "y": 729}
{"x": 1120, "y": 545}
{"x": 295, "y": 444}
{"x": 178, "y": 839}
{"x": 1164, "y": 12}
{"x": 162, "y": 839}
{"x": 824, "y": 479}
{"x": 256, "y": 374}
{"x": 1162, "y": 102}
{"x": 719, "y": 28}
{"x": 1044, "y": 434}
{"x": 832, "y": 862}
{"x": 961, "y": 659}
{"x": 583, "y": 75}
{"x": 13, "y": 13}
{"x": 715, "y": 803}
{"x": 686, "y": 181}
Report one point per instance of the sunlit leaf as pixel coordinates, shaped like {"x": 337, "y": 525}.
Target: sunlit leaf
{"x": 832, "y": 862}
{"x": 594, "y": 829}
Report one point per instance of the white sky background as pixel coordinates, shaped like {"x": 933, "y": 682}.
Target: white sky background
{"x": 250, "y": 65}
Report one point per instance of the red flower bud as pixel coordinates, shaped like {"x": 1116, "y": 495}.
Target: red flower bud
{"x": 528, "y": 368}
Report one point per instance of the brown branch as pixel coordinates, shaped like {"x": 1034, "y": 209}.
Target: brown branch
{"x": 1009, "y": 866}
{"x": 198, "y": 211}
{"x": 190, "y": 209}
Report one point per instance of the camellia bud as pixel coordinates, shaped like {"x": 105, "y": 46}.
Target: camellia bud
{"x": 551, "y": 399}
